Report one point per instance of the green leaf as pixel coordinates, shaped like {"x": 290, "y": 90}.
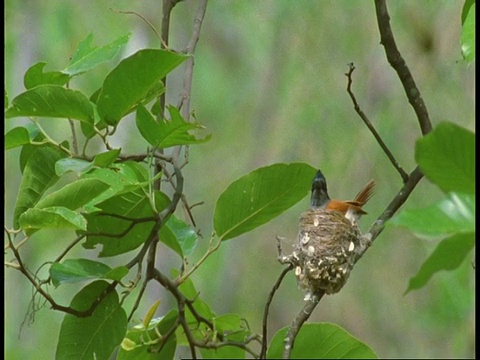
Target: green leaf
{"x": 88, "y": 56}
{"x": 74, "y": 195}
{"x": 259, "y": 197}
{"x": 16, "y": 137}
{"x": 107, "y": 158}
{"x": 131, "y": 81}
{"x": 178, "y": 236}
{"x": 321, "y": 341}
{"x": 164, "y": 134}
{"x": 52, "y": 101}
{"x": 120, "y": 177}
{"x": 96, "y": 336}
{"x": 35, "y": 76}
{"x": 447, "y": 158}
{"x": 38, "y": 176}
{"x": 75, "y": 270}
{"x": 56, "y": 217}
{"x": 20, "y": 136}
{"x": 468, "y": 31}
{"x": 72, "y": 164}
{"x": 123, "y": 235}
{"x": 455, "y": 213}
{"x": 142, "y": 343}
{"x": 117, "y": 273}
{"x": 448, "y": 255}
{"x": 227, "y": 323}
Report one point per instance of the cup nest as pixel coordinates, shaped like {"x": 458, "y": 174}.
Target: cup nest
{"x": 325, "y": 250}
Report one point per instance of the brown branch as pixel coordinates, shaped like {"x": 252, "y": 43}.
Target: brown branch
{"x": 263, "y": 352}
{"x": 377, "y": 227}
{"x": 298, "y": 322}
{"x": 187, "y": 83}
{"x": 410, "y": 181}
{"x": 370, "y": 126}
{"x": 399, "y": 65}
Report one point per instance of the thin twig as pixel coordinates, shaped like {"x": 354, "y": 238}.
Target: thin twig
{"x": 263, "y": 352}
{"x": 370, "y": 126}
{"x": 144, "y": 19}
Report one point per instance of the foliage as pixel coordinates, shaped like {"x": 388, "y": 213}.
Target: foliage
{"x": 111, "y": 198}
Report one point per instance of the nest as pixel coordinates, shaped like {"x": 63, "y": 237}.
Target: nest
{"x": 325, "y": 250}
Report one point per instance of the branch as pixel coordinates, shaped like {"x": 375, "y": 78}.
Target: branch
{"x": 367, "y": 122}
{"x": 378, "y": 226}
{"x": 398, "y": 64}
{"x": 299, "y": 320}
{"x": 263, "y": 353}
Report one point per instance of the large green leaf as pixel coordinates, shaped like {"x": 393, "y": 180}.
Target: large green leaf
{"x": 447, "y": 157}
{"x": 35, "y": 76}
{"x": 75, "y": 270}
{"x": 259, "y": 197}
{"x": 132, "y": 80}
{"x": 52, "y": 101}
{"x": 74, "y": 195}
{"x": 321, "y": 341}
{"x": 55, "y": 217}
{"x": 88, "y": 56}
{"x": 104, "y": 227}
{"x": 96, "y": 336}
{"x": 38, "y": 176}
{"x": 167, "y": 133}
{"x": 468, "y": 31}
{"x": 455, "y": 213}
{"x": 121, "y": 178}
{"x": 448, "y": 255}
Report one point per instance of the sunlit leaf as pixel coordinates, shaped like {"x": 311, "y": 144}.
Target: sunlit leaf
{"x": 88, "y": 56}
{"x": 52, "y": 101}
{"x": 260, "y": 196}
{"x": 131, "y": 81}
{"x": 74, "y": 195}
{"x": 456, "y": 213}
{"x": 55, "y": 217}
{"x": 72, "y": 164}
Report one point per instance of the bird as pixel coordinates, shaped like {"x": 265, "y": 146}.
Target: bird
{"x": 351, "y": 209}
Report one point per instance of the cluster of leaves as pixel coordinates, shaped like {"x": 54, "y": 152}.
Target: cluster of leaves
{"x": 109, "y": 198}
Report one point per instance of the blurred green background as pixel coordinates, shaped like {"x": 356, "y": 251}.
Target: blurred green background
{"x": 269, "y": 85}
